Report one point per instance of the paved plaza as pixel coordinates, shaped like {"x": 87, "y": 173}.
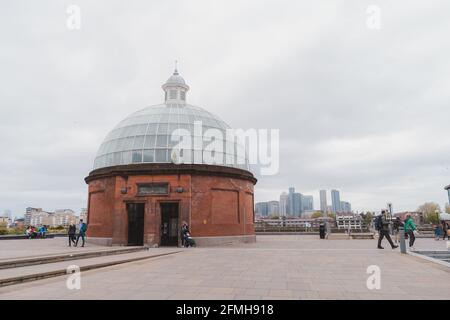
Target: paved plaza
{"x": 275, "y": 267}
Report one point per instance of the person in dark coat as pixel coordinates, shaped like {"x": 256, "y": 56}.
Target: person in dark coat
{"x": 184, "y": 231}
{"x": 445, "y": 230}
{"x": 322, "y": 231}
{"x": 71, "y": 234}
{"x": 384, "y": 231}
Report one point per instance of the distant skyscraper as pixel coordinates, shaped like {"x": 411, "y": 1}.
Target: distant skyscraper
{"x": 284, "y": 199}
{"x": 323, "y": 200}
{"x": 290, "y": 206}
{"x": 335, "y": 201}
{"x": 346, "y": 207}
{"x": 307, "y": 203}
{"x": 273, "y": 208}
{"x": 261, "y": 209}
{"x": 297, "y": 201}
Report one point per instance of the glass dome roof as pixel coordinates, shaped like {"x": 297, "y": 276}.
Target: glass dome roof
{"x": 146, "y": 136}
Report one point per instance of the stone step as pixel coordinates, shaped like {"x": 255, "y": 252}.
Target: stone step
{"x": 338, "y": 236}
{"x": 37, "y": 272}
{"x": 21, "y": 262}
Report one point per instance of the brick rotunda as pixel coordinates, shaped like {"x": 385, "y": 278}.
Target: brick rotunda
{"x": 140, "y": 191}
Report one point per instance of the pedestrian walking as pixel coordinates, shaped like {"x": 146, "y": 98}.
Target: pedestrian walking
{"x": 410, "y": 230}
{"x": 382, "y": 225}
{"x": 82, "y": 232}
{"x": 71, "y": 233}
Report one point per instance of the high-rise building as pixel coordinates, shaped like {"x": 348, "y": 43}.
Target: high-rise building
{"x": 261, "y": 209}
{"x": 290, "y": 207}
{"x": 284, "y": 204}
{"x": 28, "y": 214}
{"x": 307, "y": 203}
{"x": 297, "y": 209}
{"x": 346, "y": 207}
{"x": 323, "y": 200}
{"x": 335, "y": 201}
{"x": 273, "y": 208}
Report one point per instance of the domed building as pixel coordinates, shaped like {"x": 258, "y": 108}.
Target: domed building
{"x": 145, "y": 182}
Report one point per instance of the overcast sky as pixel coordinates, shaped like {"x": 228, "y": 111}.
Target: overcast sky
{"x": 362, "y": 110}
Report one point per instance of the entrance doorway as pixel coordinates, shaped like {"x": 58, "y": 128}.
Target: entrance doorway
{"x": 169, "y": 224}
{"x": 135, "y": 224}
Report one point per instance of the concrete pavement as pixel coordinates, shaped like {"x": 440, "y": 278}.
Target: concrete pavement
{"x": 275, "y": 267}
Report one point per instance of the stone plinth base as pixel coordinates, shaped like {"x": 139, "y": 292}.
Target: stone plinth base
{"x": 225, "y": 240}
{"x": 99, "y": 241}
{"x": 338, "y": 236}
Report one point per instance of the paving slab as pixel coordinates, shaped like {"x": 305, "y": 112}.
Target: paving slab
{"x": 322, "y": 269}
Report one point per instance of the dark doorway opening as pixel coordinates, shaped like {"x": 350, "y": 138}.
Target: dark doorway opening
{"x": 169, "y": 224}
{"x": 135, "y": 224}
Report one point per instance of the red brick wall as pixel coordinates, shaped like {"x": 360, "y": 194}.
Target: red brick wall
{"x": 212, "y": 205}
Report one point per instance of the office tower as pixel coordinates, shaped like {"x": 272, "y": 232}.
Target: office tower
{"x": 297, "y": 202}
{"x": 307, "y": 203}
{"x": 323, "y": 200}
{"x": 284, "y": 199}
{"x": 346, "y": 207}
{"x": 290, "y": 206}
{"x": 335, "y": 201}
{"x": 273, "y": 208}
{"x": 261, "y": 209}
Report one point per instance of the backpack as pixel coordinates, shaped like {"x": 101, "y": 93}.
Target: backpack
{"x": 378, "y": 223}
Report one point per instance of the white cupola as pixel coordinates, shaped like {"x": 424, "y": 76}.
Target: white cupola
{"x": 175, "y": 88}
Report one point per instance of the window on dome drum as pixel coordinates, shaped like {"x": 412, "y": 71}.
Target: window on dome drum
{"x": 148, "y": 189}
{"x": 173, "y": 94}
{"x": 183, "y": 95}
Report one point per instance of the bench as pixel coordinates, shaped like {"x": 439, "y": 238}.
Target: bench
{"x": 362, "y": 235}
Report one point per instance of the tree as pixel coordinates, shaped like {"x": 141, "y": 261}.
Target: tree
{"x": 316, "y": 214}
{"x": 3, "y": 229}
{"x": 367, "y": 218}
{"x": 430, "y": 212}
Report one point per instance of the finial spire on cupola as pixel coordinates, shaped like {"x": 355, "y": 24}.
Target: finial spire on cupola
{"x": 175, "y": 72}
{"x": 175, "y": 88}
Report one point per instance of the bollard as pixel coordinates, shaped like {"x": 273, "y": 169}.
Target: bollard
{"x": 402, "y": 240}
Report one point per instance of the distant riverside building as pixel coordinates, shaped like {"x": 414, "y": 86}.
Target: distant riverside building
{"x": 335, "y": 201}
{"x": 307, "y": 203}
{"x": 323, "y": 200}
{"x": 273, "y": 208}
{"x": 346, "y": 206}
{"x": 416, "y": 216}
{"x": 348, "y": 221}
{"x": 297, "y": 209}
{"x": 63, "y": 217}
{"x": 290, "y": 207}
{"x": 283, "y": 206}
{"x": 39, "y": 217}
{"x": 19, "y": 223}
{"x": 448, "y": 192}
{"x": 28, "y": 212}
{"x": 83, "y": 214}
{"x": 261, "y": 209}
